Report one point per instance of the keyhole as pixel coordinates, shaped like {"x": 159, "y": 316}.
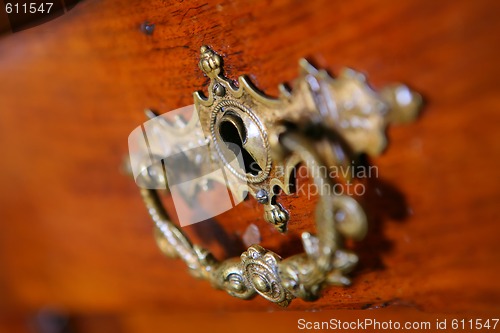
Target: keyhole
{"x": 234, "y": 135}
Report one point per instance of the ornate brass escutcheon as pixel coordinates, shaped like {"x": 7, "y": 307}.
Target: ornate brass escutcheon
{"x": 321, "y": 122}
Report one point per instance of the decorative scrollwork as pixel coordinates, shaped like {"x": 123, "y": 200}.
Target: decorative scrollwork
{"x": 274, "y": 133}
{"x": 260, "y": 268}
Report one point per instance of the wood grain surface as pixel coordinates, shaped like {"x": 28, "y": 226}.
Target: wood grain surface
{"x": 74, "y": 233}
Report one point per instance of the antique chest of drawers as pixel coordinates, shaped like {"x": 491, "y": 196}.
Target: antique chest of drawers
{"x": 76, "y": 240}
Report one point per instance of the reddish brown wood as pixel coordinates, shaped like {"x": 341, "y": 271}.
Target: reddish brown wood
{"x": 74, "y": 232}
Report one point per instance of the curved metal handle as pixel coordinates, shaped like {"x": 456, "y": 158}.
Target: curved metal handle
{"x": 262, "y": 271}
{"x": 276, "y": 134}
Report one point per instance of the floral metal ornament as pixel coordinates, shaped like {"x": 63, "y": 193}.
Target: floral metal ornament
{"x": 321, "y": 121}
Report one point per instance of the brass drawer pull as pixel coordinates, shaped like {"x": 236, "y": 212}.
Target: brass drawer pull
{"x": 321, "y": 122}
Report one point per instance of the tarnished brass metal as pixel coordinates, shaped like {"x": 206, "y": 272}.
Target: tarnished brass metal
{"x": 321, "y": 121}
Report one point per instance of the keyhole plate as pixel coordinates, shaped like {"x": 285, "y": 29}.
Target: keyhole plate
{"x": 234, "y": 134}
{"x": 236, "y": 127}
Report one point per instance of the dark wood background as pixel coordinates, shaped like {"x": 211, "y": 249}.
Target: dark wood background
{"x": 74, "y": 234}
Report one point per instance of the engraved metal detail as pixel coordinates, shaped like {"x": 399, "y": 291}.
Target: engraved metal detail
{"x": 254, "y": 136}
{"x": 274, "y": 132}
{"x": 261, "y": 271}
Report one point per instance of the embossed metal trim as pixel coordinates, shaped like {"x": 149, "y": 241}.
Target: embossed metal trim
{"x": 277, "y": 140}
{"x": 220, "y": 107}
